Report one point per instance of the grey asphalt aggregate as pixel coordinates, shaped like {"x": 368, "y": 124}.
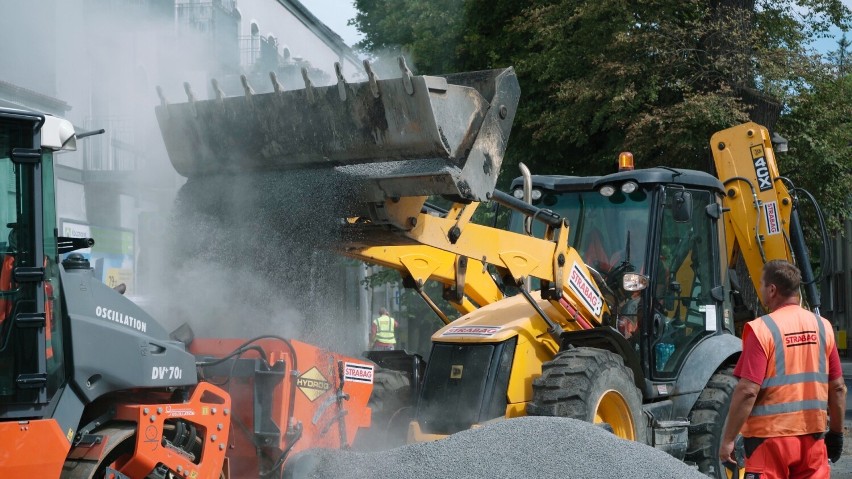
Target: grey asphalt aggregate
{"x": 527, "y": 447}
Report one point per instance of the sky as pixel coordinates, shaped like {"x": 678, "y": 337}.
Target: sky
{"x": 336, "y": 13}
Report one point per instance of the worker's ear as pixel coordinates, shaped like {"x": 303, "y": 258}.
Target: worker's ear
{"x": 772, "y": 290}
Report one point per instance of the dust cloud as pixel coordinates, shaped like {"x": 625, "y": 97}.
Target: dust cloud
{"x": 232, "y": 257}
{"x": 257, "y": 251}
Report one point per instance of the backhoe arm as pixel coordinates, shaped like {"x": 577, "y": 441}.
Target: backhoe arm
{"x": 762, "y": 223}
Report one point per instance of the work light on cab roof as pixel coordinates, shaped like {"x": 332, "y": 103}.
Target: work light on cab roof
{"x": 625, "y": 161}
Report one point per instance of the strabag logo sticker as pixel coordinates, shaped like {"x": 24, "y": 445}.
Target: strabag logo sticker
{"x": 584, "y": 288}
{"x": 121, "y": 318}
{"x": 773, "y": 224}
{"x": 358, "y": 373}
{"x": 761, "y": 168}
{"x": 472, "y": 331}
{"x": 313, "y": 384}
{"x": 801, "y": 338}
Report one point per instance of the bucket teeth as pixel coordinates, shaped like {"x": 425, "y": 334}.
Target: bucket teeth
{"x": 190, "y": 97}
{"x": 163, "y": 102}
{"x": 341, "y": 82}
{"x": 406, "y": 76}
{"x": 276, "y": 85}
{"x": 248, "y": 89}
{"x": 220, "y": 95}
{"x": 309, "y": 87}
{"x": 374, "y": 84}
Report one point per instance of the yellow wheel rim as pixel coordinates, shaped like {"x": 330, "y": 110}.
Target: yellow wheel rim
{"x": 613, "y": 410}
{"x": 731, "y": 475}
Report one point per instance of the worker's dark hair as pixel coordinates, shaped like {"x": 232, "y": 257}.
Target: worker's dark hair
{"x": 784, "y": 275}
{"x": 383, "y": 311}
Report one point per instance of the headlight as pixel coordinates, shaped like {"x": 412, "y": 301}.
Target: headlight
{"x": 634, "y": 282}
{"x": 607, "y": 190}
{"x": 629, "y": 187}
{"x": 536, "y": 195}
{"x": 518, "y": 193}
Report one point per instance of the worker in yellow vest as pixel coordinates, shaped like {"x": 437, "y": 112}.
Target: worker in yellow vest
{"x": 383, "y": 332}
{"x": 789, "y": 378}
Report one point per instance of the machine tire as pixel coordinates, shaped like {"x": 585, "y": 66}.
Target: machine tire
{"x": 591, "y": 385}
{"x": 392, "y": 407}
{"x": 707, "y": 420}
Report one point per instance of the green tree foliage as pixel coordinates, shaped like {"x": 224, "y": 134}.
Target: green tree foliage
{"x": 655, "y": 77}
{"x": 820, "y": 156}
{"x": 842, "y": 56}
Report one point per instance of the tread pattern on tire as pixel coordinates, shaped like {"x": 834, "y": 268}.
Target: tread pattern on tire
{"x": 566, "y": 383}
{"x": 707, "y": 421}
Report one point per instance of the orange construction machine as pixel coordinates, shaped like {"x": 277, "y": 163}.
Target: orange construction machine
{"x": 93, "y": 387}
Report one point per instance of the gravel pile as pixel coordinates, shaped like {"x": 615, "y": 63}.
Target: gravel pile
{"x": 527, "y": 447}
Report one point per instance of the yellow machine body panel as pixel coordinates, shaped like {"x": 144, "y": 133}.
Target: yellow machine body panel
{"x": 549, "y": 259}
{"x": 511, "y": 317}
{"x": 500, "y": 321}
{"x": 757, "y": 225}
{"x": 424, "y": 263}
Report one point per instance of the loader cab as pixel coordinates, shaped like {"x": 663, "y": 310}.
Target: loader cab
{"x": 31, "y": 353}
{"x": 663, "y": 224}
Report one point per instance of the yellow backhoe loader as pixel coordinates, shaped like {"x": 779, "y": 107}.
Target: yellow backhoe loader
{"x": 611, "y": 300}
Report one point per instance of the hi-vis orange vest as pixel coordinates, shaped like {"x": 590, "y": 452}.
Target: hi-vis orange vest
{"x": 793, "y": 398}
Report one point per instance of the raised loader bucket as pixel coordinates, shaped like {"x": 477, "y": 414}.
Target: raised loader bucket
{"x": 409, "y": 136}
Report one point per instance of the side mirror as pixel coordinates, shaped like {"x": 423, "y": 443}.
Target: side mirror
{"x": 682, "y": 207}
{"x": 673, "y": 292}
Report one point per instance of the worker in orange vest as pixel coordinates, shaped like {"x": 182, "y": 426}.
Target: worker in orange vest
{"x": 383, "y": 332}
{"x": 789, "y": 375}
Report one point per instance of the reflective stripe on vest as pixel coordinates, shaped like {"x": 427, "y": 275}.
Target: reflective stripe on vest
{"x": 793, "y": 396}
{"x": 385, "y": 330}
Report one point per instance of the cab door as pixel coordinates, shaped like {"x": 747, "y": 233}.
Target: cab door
{"x": 31, "y": 356}
{"x": 686, "y": 306}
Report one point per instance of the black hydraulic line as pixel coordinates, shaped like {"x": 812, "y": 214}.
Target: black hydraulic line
{"x": 545, "y": 216}
{"x": 242, "y": 348}
{"x": 553, "y": 328}
{"x": 434, "y": 307}
{"x": 276, "y": 467}
{"x": 827, "y": 259}
{"x": 800, "y": 249}
{"x": 237, "y": 352}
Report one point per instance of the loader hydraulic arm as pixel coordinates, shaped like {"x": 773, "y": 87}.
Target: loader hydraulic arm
{"x": 467, "y": 283}
{"x": 566, "y": 280}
